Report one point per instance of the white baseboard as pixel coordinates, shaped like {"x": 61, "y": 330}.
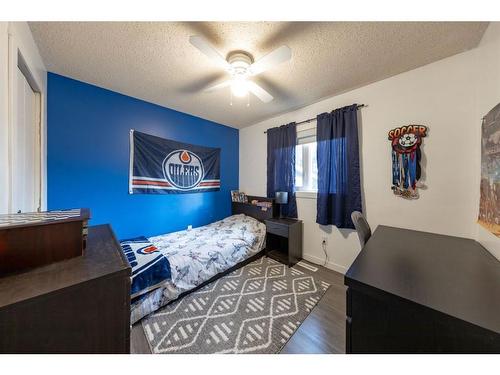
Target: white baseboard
{"x": 330, "y": 265}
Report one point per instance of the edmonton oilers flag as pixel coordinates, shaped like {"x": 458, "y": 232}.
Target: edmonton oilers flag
{"x": 162, "y": 166}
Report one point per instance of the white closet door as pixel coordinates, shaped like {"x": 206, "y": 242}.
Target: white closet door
{"x": 25, "y": 149}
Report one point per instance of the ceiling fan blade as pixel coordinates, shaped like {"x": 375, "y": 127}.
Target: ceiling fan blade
{"x": 218, "y": 86}
{"x": 270, "y": 60}
{"x": 259, "y": 92}
{"x": 209, "y": 51}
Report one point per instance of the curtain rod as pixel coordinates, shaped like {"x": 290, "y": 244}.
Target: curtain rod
{"x": 312, "y": 119}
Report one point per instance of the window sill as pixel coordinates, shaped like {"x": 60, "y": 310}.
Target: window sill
{"x": 306, "y": 194}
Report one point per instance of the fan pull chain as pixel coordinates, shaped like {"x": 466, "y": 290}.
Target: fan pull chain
{"x": 231, "y": 97}
{"x": 248, "y": 99}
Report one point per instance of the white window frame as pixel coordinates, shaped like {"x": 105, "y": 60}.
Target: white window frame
{"x": 308, "y": 127}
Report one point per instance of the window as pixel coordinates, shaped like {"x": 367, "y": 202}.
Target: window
{"x": 306, "y": 166}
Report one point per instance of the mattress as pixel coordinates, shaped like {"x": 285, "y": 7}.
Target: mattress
{"x": 199, "y": 254}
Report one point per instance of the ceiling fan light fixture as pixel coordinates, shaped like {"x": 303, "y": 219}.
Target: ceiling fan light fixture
{"x": 239, "y": 87}
{"x": 241, "y": 67}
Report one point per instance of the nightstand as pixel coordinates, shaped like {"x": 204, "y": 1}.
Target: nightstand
{"x": 284, "y": 240}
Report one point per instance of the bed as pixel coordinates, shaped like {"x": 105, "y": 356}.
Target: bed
{"x": 184, "y": 261}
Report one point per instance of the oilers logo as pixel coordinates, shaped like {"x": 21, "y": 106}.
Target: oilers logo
{"x": 148, "y": 250}
{"x": 183, "y": 169}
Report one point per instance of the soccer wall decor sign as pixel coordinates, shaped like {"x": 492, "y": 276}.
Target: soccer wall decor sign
{"x": 406, "y": 155}
{"x": 162, "y": 166}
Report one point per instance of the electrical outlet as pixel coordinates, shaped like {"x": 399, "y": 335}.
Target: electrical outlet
{"x": 324, "y": 241}
{"x": 190, "y": 227}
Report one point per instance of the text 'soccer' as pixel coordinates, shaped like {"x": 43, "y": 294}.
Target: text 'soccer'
{"x": 162, "y": 166}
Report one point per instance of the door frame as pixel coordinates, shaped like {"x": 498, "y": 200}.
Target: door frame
{"x": 18, "y": 59}
{"x": 4, "y": 118}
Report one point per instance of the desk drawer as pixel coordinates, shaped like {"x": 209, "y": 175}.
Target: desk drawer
{"x": 278, "y": 229}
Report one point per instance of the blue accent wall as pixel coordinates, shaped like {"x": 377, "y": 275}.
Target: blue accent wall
{"x": 88, "y": 159}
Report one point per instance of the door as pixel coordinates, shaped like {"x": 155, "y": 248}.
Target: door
{"x": 25, "y": 148}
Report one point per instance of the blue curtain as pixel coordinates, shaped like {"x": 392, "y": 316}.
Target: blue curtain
{"x": 339, "y": 190}
{"x": 281, "y": 144}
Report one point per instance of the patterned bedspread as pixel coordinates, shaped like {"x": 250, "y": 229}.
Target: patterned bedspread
{"x": 199, "y": 254}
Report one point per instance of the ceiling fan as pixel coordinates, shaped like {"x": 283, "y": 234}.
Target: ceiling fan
{"x": 241, "y": 67}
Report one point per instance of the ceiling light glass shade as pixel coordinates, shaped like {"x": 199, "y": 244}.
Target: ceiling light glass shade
{"x": 239, "y": 87}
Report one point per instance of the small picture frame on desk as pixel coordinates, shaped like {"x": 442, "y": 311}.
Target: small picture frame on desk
{"x": 238, "y": 196}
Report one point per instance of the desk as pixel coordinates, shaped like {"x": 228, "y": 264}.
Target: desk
{"x": 418, "y": 292}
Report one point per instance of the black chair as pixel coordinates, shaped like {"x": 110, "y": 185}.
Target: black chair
{"x": 362, "y": 227}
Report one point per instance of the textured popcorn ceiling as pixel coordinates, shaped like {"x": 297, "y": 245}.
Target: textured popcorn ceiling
{"x": 155, "y": 61}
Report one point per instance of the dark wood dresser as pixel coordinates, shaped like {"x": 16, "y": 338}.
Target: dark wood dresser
{"x": 79, "y": 305}
{"x": 34, "y": 239}
{"x": 418, "y": 292}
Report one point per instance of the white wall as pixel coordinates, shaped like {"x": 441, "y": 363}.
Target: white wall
{"x": 440, "y": 96}
{"x": 16, "y": 37}
{"x": 488, "y": 95}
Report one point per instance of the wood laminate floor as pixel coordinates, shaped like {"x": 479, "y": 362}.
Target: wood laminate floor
{"x": 323, "y": 331}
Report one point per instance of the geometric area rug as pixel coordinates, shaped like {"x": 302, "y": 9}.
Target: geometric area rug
{"x": 255, "y": 309}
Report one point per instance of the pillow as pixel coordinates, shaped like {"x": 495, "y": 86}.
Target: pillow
{"x": 150, "y": 268}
